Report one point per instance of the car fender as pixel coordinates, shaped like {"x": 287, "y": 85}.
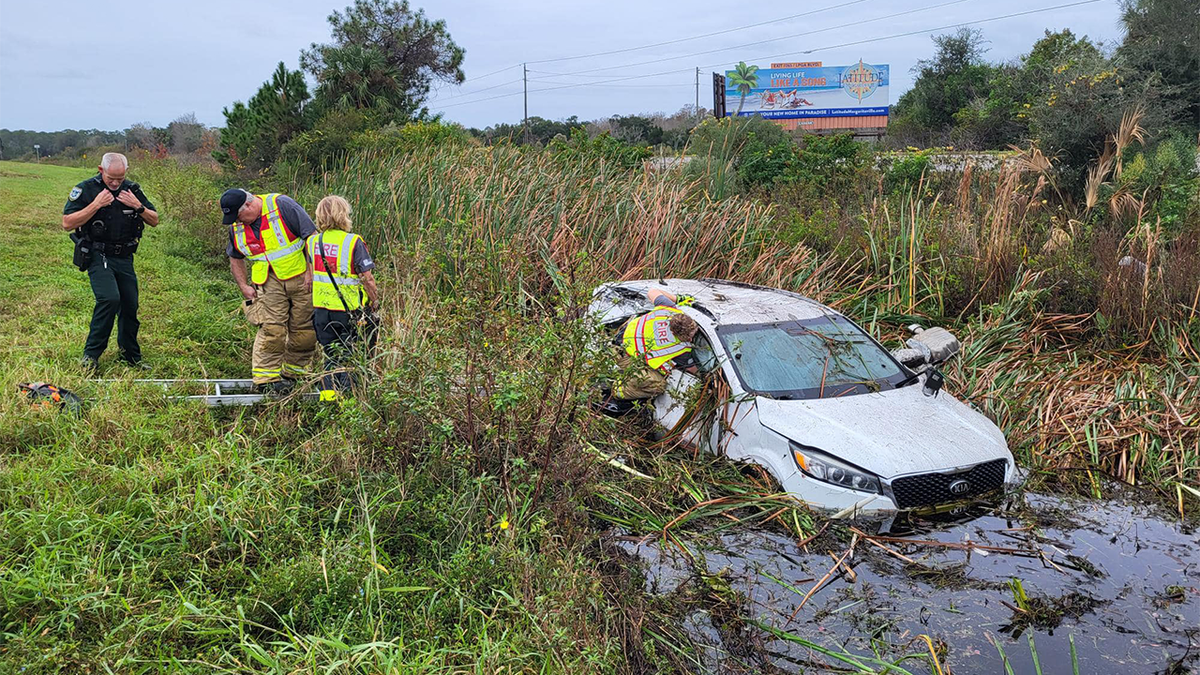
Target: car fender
{"x": 746, "y": 440}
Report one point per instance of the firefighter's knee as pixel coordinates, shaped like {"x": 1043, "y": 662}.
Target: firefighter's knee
{"x": 304, "y": 340}
{"x": 273, "y": 337}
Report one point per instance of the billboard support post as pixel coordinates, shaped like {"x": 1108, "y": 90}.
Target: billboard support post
{"x": 718, "y": 95}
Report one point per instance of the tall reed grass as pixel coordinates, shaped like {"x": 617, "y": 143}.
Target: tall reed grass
{"x": 530, "y": 230}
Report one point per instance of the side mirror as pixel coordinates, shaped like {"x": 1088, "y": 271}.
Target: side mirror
{"x": 933, "y": 382}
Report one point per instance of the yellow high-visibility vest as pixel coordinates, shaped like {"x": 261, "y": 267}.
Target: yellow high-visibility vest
{"x": 335, "y": 263}
{"x": 270, "y": 245}
{"x": 650, "y": 339}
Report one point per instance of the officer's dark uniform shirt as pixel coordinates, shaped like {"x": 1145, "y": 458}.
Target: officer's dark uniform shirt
{"x": 83, "y": 194}
{"x": 294, "y": 216}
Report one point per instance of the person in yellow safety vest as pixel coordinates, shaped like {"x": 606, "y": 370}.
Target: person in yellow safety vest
{"x": 343, "y": 314}
{"x": 268, "y": 231}
{"x": 651, "y": 345}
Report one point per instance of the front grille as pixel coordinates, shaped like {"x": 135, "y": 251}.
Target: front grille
{"x": 929, "y": 489}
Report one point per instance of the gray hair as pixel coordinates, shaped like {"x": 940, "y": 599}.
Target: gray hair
{"x": 111, "y": 158}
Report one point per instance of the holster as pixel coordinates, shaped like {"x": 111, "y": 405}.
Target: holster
{"x": 82, "y": 257}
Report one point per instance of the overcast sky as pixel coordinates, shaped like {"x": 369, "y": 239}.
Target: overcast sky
{"x": 75, "y": 64}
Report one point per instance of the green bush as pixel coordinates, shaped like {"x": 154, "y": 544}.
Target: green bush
{"x": 343, "y": 131}
{"x": 1167, "y": 175}
{"x": 906, "y": 172}
{"x": 728, "y": 136}
{"x": 761, "y": 165}
{"x": 603, "y": 148}
{"x": 826, "y": 160}
{"x": 722, "y": 146}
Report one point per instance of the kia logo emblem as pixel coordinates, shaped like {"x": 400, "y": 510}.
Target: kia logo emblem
{"x": 959, "y": 487}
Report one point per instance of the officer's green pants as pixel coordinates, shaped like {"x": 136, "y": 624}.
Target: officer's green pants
{"x": 114, "y": 284}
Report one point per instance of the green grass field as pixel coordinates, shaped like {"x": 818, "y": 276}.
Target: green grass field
{"x": 144, "y": 536}
{"x": 191, "y": 323}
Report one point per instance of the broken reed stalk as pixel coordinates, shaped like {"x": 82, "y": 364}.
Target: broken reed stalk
{"x": 867, "y": 538}
{"x": 837, "y": 564}
{"x": 1025, "y": 553}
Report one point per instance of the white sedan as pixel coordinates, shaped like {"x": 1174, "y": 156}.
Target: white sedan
{"x": 838, "y": 420}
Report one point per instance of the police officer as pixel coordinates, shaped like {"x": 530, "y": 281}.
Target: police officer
{"x": 105, "y": 216}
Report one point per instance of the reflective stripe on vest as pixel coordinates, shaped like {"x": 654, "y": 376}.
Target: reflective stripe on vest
{"x": 281, "y": 250}
{"x": 650, "y": 339}
{"x": 338, "y": 258}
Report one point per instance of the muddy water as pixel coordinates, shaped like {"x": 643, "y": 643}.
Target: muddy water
{"x": 1123, "y": 580}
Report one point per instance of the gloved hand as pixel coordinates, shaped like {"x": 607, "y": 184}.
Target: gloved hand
{"x": 685, "y": 300}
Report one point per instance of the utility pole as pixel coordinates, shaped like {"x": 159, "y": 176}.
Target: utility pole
{"x": 697, "y": 90}
{"x": 525, "y": 81}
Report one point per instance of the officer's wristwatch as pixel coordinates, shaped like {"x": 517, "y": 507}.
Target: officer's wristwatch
{"x": 140, "y": 210}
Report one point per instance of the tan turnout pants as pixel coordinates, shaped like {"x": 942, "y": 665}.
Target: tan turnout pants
{"x": 637, "y": 381}
{"x": 286, "y": 341}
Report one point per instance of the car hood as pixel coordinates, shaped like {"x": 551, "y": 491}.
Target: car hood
{"x": 890, "y": 433}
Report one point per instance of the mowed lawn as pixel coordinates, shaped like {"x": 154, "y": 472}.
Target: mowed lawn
{"x": 192, "y": 325}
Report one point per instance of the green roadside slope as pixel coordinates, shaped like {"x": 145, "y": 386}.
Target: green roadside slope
{"x": 149, "y": 537}
{"x": 191, "y": 326}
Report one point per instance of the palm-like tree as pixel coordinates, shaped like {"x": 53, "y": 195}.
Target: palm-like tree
{"x": 745, "y": 78}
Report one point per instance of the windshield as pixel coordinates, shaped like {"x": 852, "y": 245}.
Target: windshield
{"x": 825, "y": 357}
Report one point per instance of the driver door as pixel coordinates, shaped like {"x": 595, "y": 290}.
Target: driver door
{"x": 683, "y": 409}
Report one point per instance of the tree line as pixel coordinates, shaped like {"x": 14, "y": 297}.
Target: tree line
{"x": 1067, "y": 95}
{"x": 184, "y": 136}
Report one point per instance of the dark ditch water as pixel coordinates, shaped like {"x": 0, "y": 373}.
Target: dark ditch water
{"x": 1122, "y": 578}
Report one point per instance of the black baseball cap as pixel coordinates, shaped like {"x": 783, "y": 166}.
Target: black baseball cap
{"x": 231, "y": 201}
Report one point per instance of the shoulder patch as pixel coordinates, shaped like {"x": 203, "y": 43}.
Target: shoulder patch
{"x": 75, "y": 192}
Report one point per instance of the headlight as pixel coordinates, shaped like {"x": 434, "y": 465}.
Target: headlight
{"x": 827, "y": 469}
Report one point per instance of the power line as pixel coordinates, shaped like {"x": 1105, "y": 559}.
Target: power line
{"x": 496, "y": 72}
{"x": 808, "y": 51}
{"x": 670, "y": 42}
{"x": 784, "y": 37}
{"x": 647, "y": 86}
{"x": 546, "y": 72}
{"x": 697, "y": 37}
{"x": 476, "y": 91}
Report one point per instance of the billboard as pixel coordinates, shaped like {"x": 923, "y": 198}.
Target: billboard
{"x": 804, "y": 90}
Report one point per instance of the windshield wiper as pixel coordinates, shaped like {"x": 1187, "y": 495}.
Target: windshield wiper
{"x": 908, "y": 380}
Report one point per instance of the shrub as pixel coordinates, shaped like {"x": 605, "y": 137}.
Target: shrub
{"x": 825, "y": 160}
{"x": 761, "y": 165}
{"x": 906, "y": 172}
{"x": 719, "y": 145}
{"x": 1168, "y": 177}
{"x": 603, "y": 148}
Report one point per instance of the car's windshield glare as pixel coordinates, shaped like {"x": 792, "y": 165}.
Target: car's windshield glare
{"x": 816, "y": 358}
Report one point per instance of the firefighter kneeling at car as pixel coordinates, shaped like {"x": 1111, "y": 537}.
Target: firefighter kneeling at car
{"x": 652, "y": 344}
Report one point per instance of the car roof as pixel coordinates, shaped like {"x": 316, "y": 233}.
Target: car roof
{"x": 734, "y": 302}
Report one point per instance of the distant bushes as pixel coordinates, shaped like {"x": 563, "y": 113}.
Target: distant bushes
{"x": 749, "y": 154}
{"x": 340, "y": 132}
{"x": 603, "y": 148}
